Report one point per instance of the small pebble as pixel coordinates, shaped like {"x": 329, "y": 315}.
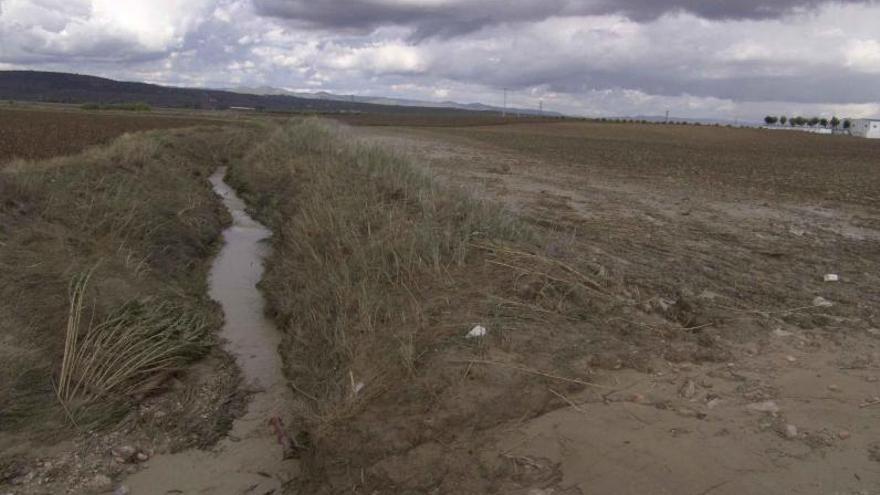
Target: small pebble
{"x": 844, "y": 435}
{"x": 791, "y": 359}
{"x": 791, "y": 431}
{"x": 834, "y": 388}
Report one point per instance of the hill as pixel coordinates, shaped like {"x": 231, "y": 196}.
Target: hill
{"x": 398, "y": 102}
{"x": 58, "y": 87}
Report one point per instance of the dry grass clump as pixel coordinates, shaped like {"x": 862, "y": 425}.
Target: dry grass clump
{"x": 129, "y": 352}
{"x": 142, "y": 210}
{"x": 362, "y": 238}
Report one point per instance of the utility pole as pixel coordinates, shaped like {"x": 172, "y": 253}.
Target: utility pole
{"x": 540, "y": 107}
{"x": 504, "y": 112}
{"x": 667, "y": 116}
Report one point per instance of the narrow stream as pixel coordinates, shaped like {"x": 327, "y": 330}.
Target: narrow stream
{"x": 249, "y": 459}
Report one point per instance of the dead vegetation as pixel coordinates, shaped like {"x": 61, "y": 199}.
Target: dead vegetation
{"x": 139, "y": 218}
{"x": 376, "y": 275}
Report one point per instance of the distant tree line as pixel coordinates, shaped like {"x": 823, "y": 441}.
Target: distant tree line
{"x": 136, "y": 106}
{"x": 834, "y": 122}
{"x": 645, "y": 121}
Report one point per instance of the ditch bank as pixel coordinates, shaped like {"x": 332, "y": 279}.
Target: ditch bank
{"x": 252, "y": 458}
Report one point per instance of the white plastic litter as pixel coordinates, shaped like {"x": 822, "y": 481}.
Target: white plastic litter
{"x": 822, "y": 302}
{"x": 832, "y": 277}
{"x": 356, "y": 387}
{"x": 477, "y": 332}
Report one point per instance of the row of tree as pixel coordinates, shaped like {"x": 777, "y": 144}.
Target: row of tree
{"x": 834, "y": 122}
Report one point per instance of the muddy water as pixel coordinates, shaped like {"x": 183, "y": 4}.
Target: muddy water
{"x": 249, "y": 459}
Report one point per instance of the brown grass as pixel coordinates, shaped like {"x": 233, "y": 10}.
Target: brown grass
{"x": 142, "y": 212}
{"x": 378, "y": 272}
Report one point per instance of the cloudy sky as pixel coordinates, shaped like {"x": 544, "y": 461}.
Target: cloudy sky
{"x": 697, "y": 58}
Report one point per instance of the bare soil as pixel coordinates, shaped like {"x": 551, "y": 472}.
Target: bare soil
{"x": 718, "y": 372}
{"x": 32, "y": 133}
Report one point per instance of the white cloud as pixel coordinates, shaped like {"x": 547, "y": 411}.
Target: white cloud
{"x": 110, "y": 30}
{"x": 863, "y": 55}
{"x": 603, "y": 63}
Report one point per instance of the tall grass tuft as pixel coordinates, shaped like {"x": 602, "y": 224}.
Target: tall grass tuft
{"x": 126, "y": 353}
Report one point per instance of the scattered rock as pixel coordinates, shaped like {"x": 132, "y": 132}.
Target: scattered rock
{"x": 477, "y": 332}
{"x": 124, "y": 454}
{"x": 791, "y": 431}
{"x": 821, "y": 302}
{"x": 832, "y": 277}
{"x": 844, "y": 435}
{"x": 713, "y": 403}
{"x": 791, "y": 359}
{"x": 121, "y": 490}
{"x": 688, "y": 390}
{"x": 834, "y": 388}
{"x": 142, "y": 457}
{"x": 100, "y": 482}
{"x": 767, "y": 406}
{"x": 708, "y": 295}
{"x": 778, "y": 332}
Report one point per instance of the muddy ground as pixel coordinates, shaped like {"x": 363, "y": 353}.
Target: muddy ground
{"x": 738, "y": 368}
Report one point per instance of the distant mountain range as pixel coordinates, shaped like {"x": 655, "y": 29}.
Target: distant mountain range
{"x": 59, "y": 87}
{"x": 381, "y": 100}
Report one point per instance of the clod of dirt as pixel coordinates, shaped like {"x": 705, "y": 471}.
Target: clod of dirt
{"x": 821, "y": 302}
{"x": 688, "y": 390}
{"x": 100, "y": 482}
{"x": 778, "y": 332}
{"x": 767, "y": 406}
{"x": 124, "y": 454}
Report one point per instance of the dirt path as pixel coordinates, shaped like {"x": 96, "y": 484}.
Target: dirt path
{"x": 250, "y": 459}
{"x": 796, "y": 408}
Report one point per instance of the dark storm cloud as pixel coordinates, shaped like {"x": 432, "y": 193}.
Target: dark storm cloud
{"x": 457, "y": 17}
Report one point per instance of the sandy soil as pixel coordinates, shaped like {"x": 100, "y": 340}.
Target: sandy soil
{"x": 793, "y": 404}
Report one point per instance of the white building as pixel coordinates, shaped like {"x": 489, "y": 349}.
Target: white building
{"x": 866, "y": 128}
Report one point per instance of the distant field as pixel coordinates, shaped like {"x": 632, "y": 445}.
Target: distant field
{"x": 794, "y": 165}
{"x": 44, "y": 133}
{"x": 438, "y": 118}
